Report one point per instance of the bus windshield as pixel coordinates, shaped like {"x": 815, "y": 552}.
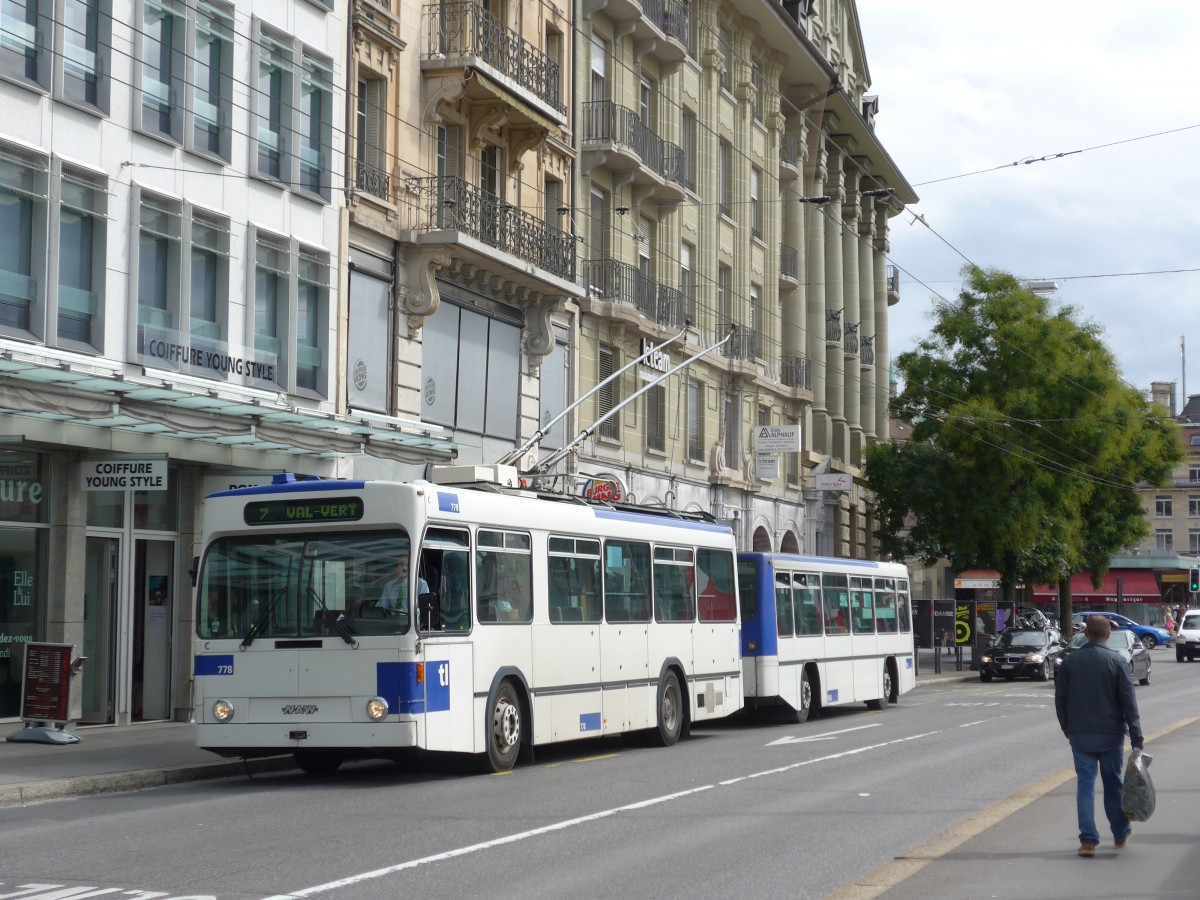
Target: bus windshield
{"x": 299, "y": 585}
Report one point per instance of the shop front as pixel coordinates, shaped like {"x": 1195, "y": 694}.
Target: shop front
{"x": 24, "y": 538}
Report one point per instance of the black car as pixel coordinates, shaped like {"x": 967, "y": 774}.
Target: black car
{"x": 1021, "y": 653}
{"x": 1125, "y": 643}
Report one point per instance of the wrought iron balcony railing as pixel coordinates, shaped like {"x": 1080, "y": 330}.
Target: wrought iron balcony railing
{"x": 608, "y": 279}
{"x": 796, "y": 372}
{"x": 745, "y": 344}
{"x": 850, "y": 344}
{"x": 465, "y": 30}
{"x": 370, "y": 180}
{"x": 451, "y": 203}
{"x": 789, "y": 262}
{"x": 833, "y": 329}
{"x": 604, "y": 120}
{"x": 789, "y": 150}
{"x": 866, "y": 352}
{"x": 893, "y": 280}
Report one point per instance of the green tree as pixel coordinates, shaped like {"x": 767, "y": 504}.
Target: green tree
{"x": 1027, "y": 447}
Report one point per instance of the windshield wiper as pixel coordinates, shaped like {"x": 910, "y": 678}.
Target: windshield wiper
{"x": 340, "y": 625}
{"x": 263, "y": 620}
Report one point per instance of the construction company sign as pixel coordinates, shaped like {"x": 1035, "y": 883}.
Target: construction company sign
{"x": 124, "y": 474}
{"x": 777, "y": 439}
{"x": 834, "y": 481}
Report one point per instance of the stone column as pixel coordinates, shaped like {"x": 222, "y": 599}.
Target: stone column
{"x": 835, "y": 309}
{"x": 867, "y": 285}
{"x": 852, "y": 318}
{"x": 883, "y": 361}
{"x": 814, "y": 282}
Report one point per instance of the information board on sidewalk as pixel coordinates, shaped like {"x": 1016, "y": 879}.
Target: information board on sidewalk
{"x": 46, "y": 689}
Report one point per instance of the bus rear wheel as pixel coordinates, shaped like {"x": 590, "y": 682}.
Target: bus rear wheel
{"x": 504, "y": 729}
{"x": 806, "y": 699}
{"x": 882, "y": 702}
{"x": 319, "y": 763}
{"x": 670, "y": 710}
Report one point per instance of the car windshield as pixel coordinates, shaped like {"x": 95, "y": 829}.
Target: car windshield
{"x": 1118, "y": 640}
{"x": 1191, "y": 622}
{"x": 1016, "y": 639}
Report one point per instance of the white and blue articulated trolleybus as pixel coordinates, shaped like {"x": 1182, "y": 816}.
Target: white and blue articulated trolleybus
{"x": 819, "y": 631}
{"x": 524, "y": 618}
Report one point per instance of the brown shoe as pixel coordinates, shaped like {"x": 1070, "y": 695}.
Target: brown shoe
{"x": 1087, "y": 848}
{"x": 1121, "y": 841}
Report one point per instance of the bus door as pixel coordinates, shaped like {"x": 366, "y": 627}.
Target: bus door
{"x": 837, "y": 675}
{"x": 673, "y": 633}
{"x": 566, "y": 647}
{"x": 868, "y": 665}
{"x": 629, "y": 696}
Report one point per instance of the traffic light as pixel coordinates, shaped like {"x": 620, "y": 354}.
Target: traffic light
{"x": 1194, "y": 580}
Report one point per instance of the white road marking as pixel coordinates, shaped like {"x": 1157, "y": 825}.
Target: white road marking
{"x": 827, "y": 736}
{"x": 571, "y": 823}
{"x": 981, "y": 721}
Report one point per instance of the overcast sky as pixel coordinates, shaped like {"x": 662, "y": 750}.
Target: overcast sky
{"x": 966, "y": 86}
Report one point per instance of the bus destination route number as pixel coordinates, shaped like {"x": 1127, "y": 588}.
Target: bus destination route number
{"x": 276, "y": 512}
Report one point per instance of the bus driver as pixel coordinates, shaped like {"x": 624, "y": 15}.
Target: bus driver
{"x": 395, "y": 591}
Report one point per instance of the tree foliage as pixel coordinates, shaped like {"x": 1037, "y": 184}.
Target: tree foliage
{"x": 1027, "y": 447}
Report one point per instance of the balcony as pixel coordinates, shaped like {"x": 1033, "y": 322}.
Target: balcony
{"x": 850, "y": 341}
{"x": 450, "y": 211}
{"x": 615, "y": 136}
{"x": 893, "y": 285}
{"x": 833, "y": 328}
{"x": 662, "y": 28}
{"x": 866, "y": 353}
{"x": 789, "y": 157}
{"x": 621, "y": 284}
{"x": 479, "y": 57}
{"x": 370, "y": 180}
{"x": 789, "y": 267}
{"x": 796, "y": 372}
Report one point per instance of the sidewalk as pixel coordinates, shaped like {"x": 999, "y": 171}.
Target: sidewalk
{"x": 1025, "y": 845}
{"x": 140, "y": 756}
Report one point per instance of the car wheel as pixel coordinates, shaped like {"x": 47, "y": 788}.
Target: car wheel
{"x": 1178, "y": 654}
{"x": 1146, "y": 678}
{"x": 1149, "y": 642}
{"x": 1043, "y": 673}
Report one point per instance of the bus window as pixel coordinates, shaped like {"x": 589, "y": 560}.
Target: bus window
{"x": 573, "y": 577}
{"x": 885, "y": 606}
{"x": 674, "y": 585}
{"x": 717, "y": 601}
{"x": 502, "y": 573}
{"x": 862, "y": 607}
{"x": 806, "y": 598}
{"x": 445, "y": 569}
{"x": 903, "y": 611}
{"x": 837, "y": 604}
{"x": 626, "y": 588}
{"x": 748, "y": 589}
{"x": 783, "y": 605}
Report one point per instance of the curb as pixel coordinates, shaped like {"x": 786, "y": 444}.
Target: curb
{"x": 30, "y": 792}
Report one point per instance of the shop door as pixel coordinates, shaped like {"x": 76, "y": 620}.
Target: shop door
{"x": 102, "y": 580}
{"x": 153, "y": 601}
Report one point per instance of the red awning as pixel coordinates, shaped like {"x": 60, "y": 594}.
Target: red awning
{"x": 1137, "y": 586}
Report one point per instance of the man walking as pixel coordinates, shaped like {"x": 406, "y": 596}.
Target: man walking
{"x": 1093, "y": 695}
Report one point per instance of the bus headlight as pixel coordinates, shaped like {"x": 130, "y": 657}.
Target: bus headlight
{"x": 222, "y": 710}
{"x": 377, "y": 708}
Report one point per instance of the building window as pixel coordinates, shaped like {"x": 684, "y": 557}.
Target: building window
{"x": 1164, "y": 541}
{"x": 82, "y": 233}
{"x": 24, "y": 194}
{"x": 211, "y": 85}
{"x": 725, "y": 177}
{"x": 370, "y": 153}
{"x": 293, "y": 116}
{"x": 1193, "y": 507}
{"x": 24, "y": 44}
{"x": 733, "y": 427}
{"x": 599, "y": 68}
{"x": 656, "y": 418}
{"x": 724, "y": 298}
{"x": 291, "y": 311}
{"x": 607, "y": 396}
{"x": 1193, "y": 542}
{"x": 687, "y": 138}
{"x": 1162, "y": 507}
{"x": 160, "y": 233}
{"x": 164, "y": 26}
{"x": 1194, "y": 474}
{"x": 552, "y": 202}
{"x": 756, "y": 225}
{"x": 274, "y": 90}
{"x": 470, "y": 371}
{"x": 695, "y": 420}
{"x": 598, "y": 226}
{"x": 792, "y": 460}
{"x": 755, "y": 331}
{"x": 757, "y": 83}
{"x": 209, "y": 277}
{"x": 687, "y": 284}
{"x": 87, "y": 51}
{"x": 315, "y": 126}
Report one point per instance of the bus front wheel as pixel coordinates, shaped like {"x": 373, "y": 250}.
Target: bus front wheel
{"x": 319, "y": 763}
{"x": 504, "y": 729}
{"x": 670, "y": 710}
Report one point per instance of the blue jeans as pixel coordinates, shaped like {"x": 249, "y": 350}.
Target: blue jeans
{"x": 1110, "y": 762}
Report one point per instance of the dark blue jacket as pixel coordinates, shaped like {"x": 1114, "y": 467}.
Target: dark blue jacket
{"x": 1093, "y": 692}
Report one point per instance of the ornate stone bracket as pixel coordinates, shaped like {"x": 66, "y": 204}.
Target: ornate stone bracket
{"x": 539, "y": 334}
{"x": 523, "y": 140}
{"x": 495, "y": 115}
{"x": 423, "y": 298}
{"x": 443, "y": 90}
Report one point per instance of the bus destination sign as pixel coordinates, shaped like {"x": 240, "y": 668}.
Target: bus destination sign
{"x": 282, "y": 512}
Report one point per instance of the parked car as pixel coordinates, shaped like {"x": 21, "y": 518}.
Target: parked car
{"x": 1151, "y": 636}
{"x": 1125, "y": 643}
{"x": 1021, "y": 653}
{"x": 1187, "y": 638}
